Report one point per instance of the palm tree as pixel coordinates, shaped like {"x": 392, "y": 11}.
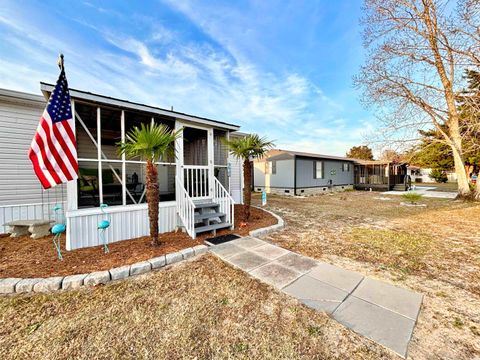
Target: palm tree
{"x": 248, "y": 148}
{"x": 151, "y": 143}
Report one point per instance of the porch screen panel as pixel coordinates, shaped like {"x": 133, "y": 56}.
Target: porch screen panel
{"x": 86, "y": 117}
{"x": 195, "y": 150}
{"x": 222, "y": 176}
{"x": 110, "y": 133}
{"x": 220, "y": 150}
{"x": 88, "y": 194}
{"x": 112, "y": 183}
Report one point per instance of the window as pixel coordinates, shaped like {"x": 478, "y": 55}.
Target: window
{"x": 346, "y": 167}
{"x": 104, "y": 176}
{"x": 318, "y": 169}
{"x": 271, "y": 167}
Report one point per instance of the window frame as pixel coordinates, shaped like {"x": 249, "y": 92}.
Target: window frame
{"x": 316, "y": 169}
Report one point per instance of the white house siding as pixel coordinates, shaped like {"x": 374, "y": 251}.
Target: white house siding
{"x": 19, "y": 117}
{"x": 127, "y": 222}
{"x": 236, "y": 179}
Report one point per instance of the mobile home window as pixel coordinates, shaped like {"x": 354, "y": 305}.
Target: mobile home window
{"x": 346, "y": 167}
{"x": 271, "y": 167}
{"x": 318, "y": 169}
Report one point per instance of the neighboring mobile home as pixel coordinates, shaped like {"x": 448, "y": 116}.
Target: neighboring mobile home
{"x": 203, "y": 174}
{"x": 298, "y": 173}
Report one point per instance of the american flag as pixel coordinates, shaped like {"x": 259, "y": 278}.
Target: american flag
{"x": 53, "y": 151}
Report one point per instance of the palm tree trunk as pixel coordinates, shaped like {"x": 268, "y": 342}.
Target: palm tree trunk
{"x": 247, "y": 188}
{"x": 152, "y": 200}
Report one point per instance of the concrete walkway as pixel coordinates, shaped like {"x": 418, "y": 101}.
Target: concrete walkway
{"x": 380, "y": 311}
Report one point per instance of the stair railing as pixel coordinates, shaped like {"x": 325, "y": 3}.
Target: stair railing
{"x": 222, "y": 197}
{"x": 185, "y": 207}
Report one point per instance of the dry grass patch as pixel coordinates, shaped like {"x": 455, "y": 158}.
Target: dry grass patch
{"x": 196, "y": 310}
{"x": 397, "y": 249}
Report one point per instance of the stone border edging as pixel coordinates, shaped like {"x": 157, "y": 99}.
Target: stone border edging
{"x": 70, "y": 282}
{"x": 269, "y": 229}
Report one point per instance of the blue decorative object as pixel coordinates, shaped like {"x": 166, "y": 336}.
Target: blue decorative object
{"x": 57, "y": 230}
{"x": 102, "y": 226}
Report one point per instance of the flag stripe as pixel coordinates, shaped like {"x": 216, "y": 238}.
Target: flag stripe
{"x": 36, "y": 166}
{"x": 57, "y": 159}
{"x": 46, "y": 161}
{"x": 72, "y": 161}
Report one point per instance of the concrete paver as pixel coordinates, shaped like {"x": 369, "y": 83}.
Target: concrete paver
{"x": 335, "y": 276}
{"x": 269, "y": 251}
{"x": 276, "y": 275}
{"x": 393, "y": 298}
{"x": 376, "y": 323}
{"x": 297, "y": 262}
{"x": 308, "y": 288}
{"x": 247, "y": 260}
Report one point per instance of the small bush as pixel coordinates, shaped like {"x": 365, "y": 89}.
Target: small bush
{"x": 438, "y": 175}
{"x": 412, "y": 197}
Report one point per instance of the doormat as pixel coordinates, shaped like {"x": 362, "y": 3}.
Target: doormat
{"x": 221, "y": 239}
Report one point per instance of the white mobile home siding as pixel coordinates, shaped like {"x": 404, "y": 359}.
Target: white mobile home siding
{"x": 21, "y": 195}
{"x": 236, "y": 179}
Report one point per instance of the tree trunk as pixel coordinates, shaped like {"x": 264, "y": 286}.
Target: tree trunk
{"x": 152, "y": 200}
{"x": 462, "y": 179}
{"x": 247, "y": 189}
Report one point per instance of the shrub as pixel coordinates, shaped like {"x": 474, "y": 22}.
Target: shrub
{"x": 412, "y": 197}
{"x": 438, "y": 175}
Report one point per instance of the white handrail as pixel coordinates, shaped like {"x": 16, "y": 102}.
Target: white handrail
{"x": 185, "y": 208}
{"x": 222, "y": 197}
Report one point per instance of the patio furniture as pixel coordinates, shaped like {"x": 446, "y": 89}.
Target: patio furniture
{"x": 37, "y": 228}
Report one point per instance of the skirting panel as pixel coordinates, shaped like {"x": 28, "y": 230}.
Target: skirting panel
{"x": 126, "y": 222}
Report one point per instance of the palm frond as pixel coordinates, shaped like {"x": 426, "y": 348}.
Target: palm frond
{"x": 150, "y": 142}
{"x": 250, "y": 146}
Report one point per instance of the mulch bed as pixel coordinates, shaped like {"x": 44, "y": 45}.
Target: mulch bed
{"x": 24, "y": 257}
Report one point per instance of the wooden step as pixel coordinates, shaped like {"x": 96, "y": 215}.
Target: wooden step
{"x": 212, "y": 227}
{"x": 204, "y": 216}
{"x": 206, "y": 205}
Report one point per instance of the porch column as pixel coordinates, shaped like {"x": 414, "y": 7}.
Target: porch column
{"x": 72, "y": 195}
{"x": 211, "y": 168}
{"x": 179, "y": 152}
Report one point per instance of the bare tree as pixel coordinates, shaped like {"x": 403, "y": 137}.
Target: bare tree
{"x": 418, "y": 51}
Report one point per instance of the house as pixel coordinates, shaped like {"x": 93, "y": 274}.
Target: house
{"x": 288, "y": 172}
{"x": 202, "y": 179}
{"x": 298, "y": 173}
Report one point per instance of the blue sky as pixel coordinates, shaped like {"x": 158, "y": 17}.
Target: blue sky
{"x": 282, "y": 69}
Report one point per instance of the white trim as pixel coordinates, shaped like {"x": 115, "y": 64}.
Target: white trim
{"x": 124, "y": 166}
{"x": 210, "y": 157}
{"x": 72, "y": 186}
{"x": 129, "y": 105}
{"x": 99, "y": 155}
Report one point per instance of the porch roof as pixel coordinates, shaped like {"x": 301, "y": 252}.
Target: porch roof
{"x": 110, "y": 101}
{"x": 279, "y": 154}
